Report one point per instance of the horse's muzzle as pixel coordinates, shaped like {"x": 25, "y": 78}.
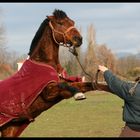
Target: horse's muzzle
{"x": 77, "y": 41}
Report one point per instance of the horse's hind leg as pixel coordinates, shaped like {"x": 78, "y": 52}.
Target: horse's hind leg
{"x": 13, "y": 129}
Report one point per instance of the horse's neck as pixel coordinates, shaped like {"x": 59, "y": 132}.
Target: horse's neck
{"x": 48, "y": 53}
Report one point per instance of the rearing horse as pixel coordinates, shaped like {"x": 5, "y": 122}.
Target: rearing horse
{"x": 41, "y": 82}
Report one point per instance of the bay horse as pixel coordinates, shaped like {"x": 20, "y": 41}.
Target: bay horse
{"x": 42, "y": 65}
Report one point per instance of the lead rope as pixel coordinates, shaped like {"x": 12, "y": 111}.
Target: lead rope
{"x": 74, "y": 52}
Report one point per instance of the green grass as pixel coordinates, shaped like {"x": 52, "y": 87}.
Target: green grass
{"x": 100, "y": 115}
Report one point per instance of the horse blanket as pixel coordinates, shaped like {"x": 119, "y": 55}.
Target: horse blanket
{"x": 19, "y": 91}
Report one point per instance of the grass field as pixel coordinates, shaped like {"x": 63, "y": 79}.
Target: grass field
{"x": 100, "y": 115}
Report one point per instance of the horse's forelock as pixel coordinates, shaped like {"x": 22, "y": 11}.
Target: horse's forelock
{"x": 59, "y": 14}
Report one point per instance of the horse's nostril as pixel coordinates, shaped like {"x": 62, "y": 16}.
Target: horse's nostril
{"x": 78, "y": 39}
{"x": 81, "y": 39}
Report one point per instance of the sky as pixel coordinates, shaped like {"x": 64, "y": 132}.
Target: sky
{"x": 116, "y": 24}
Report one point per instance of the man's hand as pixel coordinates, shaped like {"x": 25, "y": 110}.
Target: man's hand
{"x": 102, "y": 68}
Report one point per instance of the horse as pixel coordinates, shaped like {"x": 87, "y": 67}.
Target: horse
{"x": 43, "y": 74}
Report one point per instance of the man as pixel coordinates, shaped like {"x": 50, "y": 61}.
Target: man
{"x": 130, "y": 93}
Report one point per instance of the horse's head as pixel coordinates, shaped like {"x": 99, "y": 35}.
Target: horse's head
{"x": 63, "y": 29}
{"x": 55, "y": 30}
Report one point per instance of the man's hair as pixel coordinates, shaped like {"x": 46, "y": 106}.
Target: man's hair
{"x": 137, "y": 79}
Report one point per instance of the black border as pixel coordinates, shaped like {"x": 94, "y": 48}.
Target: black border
{"x": 69, "y": 1}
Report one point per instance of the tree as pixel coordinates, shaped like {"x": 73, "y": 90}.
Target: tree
{"x": 90, "y": 56}
{"x": 126, "y": 65}
{"x": 5, "y": 69}
{"x": 134, "y": 72}
{"x": 3, "y": 56}
{"x": 105, "y": 57}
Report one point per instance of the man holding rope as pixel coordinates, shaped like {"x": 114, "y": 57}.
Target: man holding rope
{"x": 130, "y": 93}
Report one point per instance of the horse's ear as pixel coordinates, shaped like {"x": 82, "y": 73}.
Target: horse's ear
{"x": 50, "y": 17}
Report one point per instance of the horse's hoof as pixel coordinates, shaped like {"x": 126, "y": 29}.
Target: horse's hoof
{"x": 79, "y": 96}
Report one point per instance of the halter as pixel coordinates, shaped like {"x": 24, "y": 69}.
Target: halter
{"x": 63, "y": 34}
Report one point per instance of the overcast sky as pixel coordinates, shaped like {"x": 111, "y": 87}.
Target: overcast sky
{"x": 116, "y": 24}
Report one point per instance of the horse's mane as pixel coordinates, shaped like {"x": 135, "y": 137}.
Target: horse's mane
{"x": 58, "y": 14}
{"x": 38, "y": 35}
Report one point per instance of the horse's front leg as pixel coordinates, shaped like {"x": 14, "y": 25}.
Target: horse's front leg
{"x": 88, "y": 86}
{"x": 65, "y": 90}
{"x": 58, "y": 91}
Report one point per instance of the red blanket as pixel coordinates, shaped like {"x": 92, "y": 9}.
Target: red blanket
{"x": 19, "y": 91}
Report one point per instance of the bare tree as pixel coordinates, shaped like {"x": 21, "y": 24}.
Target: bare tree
{"x": 128, "y": 65}
{"x": 90, "y": 56}
{"x": 5, "y": 69}
{"x": 2, "y": 45}
{"x": 106, "y": 57}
